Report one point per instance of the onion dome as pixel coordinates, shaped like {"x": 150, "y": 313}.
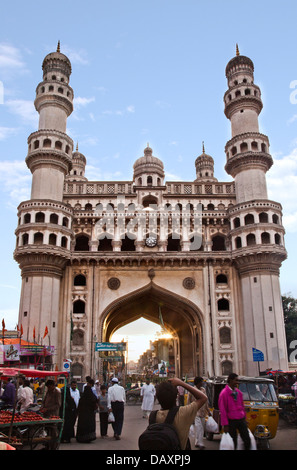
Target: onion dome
{"x": 148, "y": 165}
{"x": 56, "y": 62}
{"x": 204, "y": 166}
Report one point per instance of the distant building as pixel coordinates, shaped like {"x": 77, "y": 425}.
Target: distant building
{"x": 96, "y": 255}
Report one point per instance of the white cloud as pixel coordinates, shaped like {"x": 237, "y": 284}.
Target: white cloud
{"x": 282, "y": 183}
{"x": 6, "y": 132}
{"x": 131, "y": 109}
{"x": 11, "y": 60}
{"x": 25, "y": 110}
{"x": 15, "y": 179}
{"x": 80, "y": 101}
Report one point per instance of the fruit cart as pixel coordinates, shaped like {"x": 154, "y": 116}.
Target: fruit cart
{"x": 30, "y": 430}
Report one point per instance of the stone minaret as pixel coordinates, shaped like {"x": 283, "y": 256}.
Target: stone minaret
{"x": 257, "y": 234}
{"x": 44, "y": 229}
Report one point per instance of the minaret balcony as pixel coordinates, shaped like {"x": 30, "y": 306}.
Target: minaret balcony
{"x": 240, "y": 102}
{"x": 247, "y": 142}
{"x": 54, "y": 94}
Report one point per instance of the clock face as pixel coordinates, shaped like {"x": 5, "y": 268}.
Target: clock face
{"x": 151, "y": 241}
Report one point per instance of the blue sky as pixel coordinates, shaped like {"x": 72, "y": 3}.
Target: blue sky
{"x": 146, "y": 71}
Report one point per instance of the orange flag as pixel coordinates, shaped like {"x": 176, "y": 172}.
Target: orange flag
{"x": 45, "y": 332}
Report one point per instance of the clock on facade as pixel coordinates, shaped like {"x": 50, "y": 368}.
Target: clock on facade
{"x": 151, "y": 241}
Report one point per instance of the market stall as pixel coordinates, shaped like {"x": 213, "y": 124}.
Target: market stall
{"x": 30, "y": 429}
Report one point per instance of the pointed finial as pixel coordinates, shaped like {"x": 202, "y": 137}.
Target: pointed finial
{"x": 147, "y": 145}
{"x": 203, "y": 149}
{"x": 77, "y": 146}
{"x": 58, "y": 47}
{"x": 237, "y": 50}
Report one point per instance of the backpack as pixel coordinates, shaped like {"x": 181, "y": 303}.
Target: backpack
{"x": 160, "y": 436}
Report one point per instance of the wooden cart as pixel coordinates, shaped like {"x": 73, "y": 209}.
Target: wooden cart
{"x": 40, "y": 433}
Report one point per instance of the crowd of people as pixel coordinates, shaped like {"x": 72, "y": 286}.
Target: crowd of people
{"x": 83, "y": 404}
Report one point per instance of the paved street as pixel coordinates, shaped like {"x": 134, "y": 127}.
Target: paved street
{"x": 134, "y": 425}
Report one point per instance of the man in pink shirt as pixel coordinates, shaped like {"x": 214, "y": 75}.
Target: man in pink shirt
{"x": 233, "y": 416}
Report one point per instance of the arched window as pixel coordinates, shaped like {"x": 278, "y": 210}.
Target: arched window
{"x": 80, "y": 280}
{"x": 79, "y": 306}
{"x": 236, "y": 222}
{"x": 128, "y": 243}
{"x": 149, "y": 180}
{"x": 250, "y": 239}
{"x": 52, "y": 239}
{"x": 64, "y": 242}
{"x": 54, "y": 219}
{"x": 265, "y": 238}
{"x": 218, "y": 243}
{"x": 39, "y": 217}
{"x": 223, "y": 304}
{"x": 210, "y": 207}
{"x": 47, "y": 143}
{"x": 38, "y": 238}
{"x": 77, "y": 371}
{"x": 249, "y": 219}
{"x": 243, "y": 147}
{"x": 173, "y": 244}
{"x": 277, "y": 239}
{"x": 82, "y": 243}
{"x": 65, "y": 221}
{"x": 225, "y": 335}
{"x": 263, "y": 217}
{"x": 238, "y": 243}
{"x": 27, "y": 218}
{"x": 148, "y": 200}
{"x": 58, "y": 145}
{"x": 275, "y": 219}
{"x": 105, "y": 244}
{"x": 88, "y": 207}
{"x": 25, "y": 239}
{"x": 221, "y": 279}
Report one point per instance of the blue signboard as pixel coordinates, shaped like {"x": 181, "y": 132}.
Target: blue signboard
{"x": 258, "y": 356}
{"x": 110, "y": 346}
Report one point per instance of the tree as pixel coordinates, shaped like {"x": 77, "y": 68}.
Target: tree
{"x": 290, "y": 318}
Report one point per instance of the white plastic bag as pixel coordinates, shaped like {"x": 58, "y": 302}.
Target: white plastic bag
{"x": 192, "y": 431}
{"x": 111, "y": 417}
{"x": 253, "y": 441}
{"x": 226, "y": 442}
{"x": 240, "y": 443}
{"x": 211, "y": 425}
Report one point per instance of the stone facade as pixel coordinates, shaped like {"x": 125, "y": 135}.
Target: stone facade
{"x": 109, "y": 252}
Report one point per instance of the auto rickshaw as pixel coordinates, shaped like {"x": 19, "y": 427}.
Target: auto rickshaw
{"x": 261, "y": 405}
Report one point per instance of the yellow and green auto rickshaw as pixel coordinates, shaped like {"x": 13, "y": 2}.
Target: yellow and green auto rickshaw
{"x": 261, "y": 405}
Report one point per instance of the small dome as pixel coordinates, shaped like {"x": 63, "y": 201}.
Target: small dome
{"x": 204, "y": 166}
{"x": 148, "y": 164}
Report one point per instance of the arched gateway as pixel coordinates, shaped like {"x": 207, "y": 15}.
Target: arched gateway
{"x": 180, "y": 317}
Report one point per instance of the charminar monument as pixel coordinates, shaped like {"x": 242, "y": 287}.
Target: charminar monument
{"x": 97, "y": 255}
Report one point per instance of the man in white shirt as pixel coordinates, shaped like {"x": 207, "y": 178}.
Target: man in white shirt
{"x": 74, "y": 392}
{"x": 115, "y": 403}
{"x": 25, "y": 398}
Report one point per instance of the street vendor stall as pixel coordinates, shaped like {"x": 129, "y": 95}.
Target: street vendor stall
{"x": 30, "y": 429}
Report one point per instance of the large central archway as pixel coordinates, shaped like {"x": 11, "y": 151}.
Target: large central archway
{"x": 180, "y": 316}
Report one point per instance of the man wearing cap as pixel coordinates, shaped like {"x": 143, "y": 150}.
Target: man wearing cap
{"x": 115, "y": 403}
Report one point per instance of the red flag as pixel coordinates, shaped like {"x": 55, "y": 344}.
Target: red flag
{"x": 34, "y": 333}
{"x": 3, "y": 327}
{"x": 22, "y": 331}
{"x": 45, "y": 332}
